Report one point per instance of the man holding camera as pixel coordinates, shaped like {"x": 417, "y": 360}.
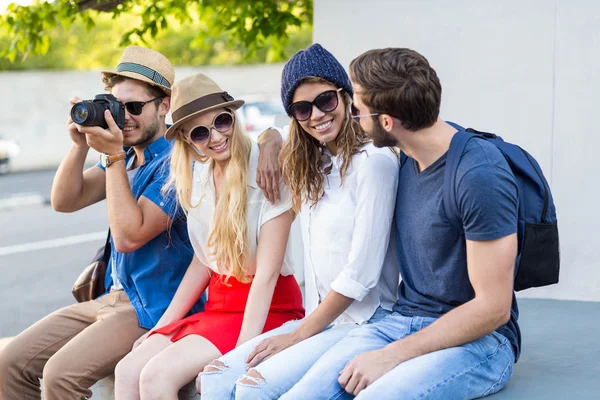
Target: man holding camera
{"x": 78, "y": 345}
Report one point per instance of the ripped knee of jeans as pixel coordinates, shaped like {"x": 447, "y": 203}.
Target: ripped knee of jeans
{"x": 214, "y": 367}
{"x": 252, "y": 379}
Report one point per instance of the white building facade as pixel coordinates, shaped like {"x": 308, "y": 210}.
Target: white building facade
{"x": 524, "y": 69}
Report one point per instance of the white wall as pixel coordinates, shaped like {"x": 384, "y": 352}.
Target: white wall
{"x": 522, "y": 68}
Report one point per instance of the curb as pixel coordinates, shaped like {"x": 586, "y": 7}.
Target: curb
{"x": 25, "y": 199}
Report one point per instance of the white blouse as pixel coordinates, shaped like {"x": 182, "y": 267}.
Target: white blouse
{"x": 260, "y": 211}
{"x": 346, "y": 236}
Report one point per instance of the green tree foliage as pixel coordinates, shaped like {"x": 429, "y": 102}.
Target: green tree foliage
{"x": 88, "y": 33}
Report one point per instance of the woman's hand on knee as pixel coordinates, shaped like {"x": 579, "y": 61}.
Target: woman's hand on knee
{"x": 269, "y": 347}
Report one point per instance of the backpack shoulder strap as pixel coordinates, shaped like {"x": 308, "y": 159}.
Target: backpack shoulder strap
{"x": 107, "y": 248}
{"x": 457, "y": 147}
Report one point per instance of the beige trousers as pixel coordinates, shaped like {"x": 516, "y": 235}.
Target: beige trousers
{"x": 71, "y": 349}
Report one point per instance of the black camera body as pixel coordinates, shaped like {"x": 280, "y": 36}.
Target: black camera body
{"x": 91, "y": 112}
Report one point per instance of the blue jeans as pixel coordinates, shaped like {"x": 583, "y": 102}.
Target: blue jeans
{"x": 473, "y": 370}
{"x": 280, "y": 372}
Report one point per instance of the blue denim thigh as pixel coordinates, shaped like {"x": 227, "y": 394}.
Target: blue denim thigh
{"x": 220, "y": 385}
{"x": 474, "y": 370}
{"x": 283, "y": 370}
{"x": 321, "y": 381}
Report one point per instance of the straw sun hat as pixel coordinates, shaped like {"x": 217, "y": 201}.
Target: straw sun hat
{"x": 145, "y": 65}
{"x": 196, "y": 95}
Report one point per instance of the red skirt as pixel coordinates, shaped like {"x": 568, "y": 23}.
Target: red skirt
{"x": 221, "y": 320}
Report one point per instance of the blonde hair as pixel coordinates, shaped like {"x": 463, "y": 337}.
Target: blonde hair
{"x": 301, "y": 156}
{"x": 228, "y": 238}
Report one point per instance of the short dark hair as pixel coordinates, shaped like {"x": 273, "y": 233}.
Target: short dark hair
{"x": 111, "y": 80}
{"x": 398, "y": 82}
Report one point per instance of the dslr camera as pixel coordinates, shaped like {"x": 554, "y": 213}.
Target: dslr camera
{"x": 91, "y": 112}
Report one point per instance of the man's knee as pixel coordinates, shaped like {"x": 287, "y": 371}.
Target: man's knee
{"x": 8, "y": 359}
{"x": 7, "y": 369}
{"x": 55, "y": 374}
{"x": 11, "y": 361}
{"x": 17, "y": 373}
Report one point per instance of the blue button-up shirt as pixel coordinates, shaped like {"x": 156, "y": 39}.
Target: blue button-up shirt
{"x": 151, "y": 274}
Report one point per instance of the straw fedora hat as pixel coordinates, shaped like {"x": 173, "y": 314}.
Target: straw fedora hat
{"x": 196, "y": 95}
{"x": 145, "y": 65}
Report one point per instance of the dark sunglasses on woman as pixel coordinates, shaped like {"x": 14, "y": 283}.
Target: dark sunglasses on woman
{"x": 222, "y": 122}
{"x": 135, "y": 107}
{"x": 326, "y": 102}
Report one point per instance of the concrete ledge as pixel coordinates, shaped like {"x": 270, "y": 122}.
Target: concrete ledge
{"x": 559, "y": 353}
{"x": 104, "y": 390}
{"x": 559, "y": 358}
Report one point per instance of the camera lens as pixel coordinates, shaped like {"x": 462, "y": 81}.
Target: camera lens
{"x": 91, "y": 112}
{"x": 79, "y": 113}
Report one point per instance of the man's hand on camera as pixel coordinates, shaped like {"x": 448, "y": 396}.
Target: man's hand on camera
{"x": 109, "y": 141}
{"x": 77, "y": 137}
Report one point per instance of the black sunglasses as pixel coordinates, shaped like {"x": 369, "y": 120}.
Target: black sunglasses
{"x": 326, "y": 102}
{"x": 221, "y": 122}
{"x": 135, "y": 107}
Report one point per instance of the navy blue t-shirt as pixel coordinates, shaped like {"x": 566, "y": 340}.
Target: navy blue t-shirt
{"x": 431, "y": 253}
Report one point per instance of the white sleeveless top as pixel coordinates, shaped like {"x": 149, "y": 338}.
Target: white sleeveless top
{"x": 260, "y": 211}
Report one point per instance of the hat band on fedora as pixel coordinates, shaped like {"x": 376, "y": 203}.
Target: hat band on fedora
{"x": 145, "y": 71}
{"x": 200, "y": 104}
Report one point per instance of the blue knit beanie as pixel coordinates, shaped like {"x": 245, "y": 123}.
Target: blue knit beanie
{"x": 314, "y": 61}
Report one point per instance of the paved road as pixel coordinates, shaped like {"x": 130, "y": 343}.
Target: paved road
{"x": 18, "y": 183}
{"x": 41, "y": 251}
{"x": 22, "y": 183}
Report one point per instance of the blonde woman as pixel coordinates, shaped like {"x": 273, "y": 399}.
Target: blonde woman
{"x": 346, "y": 191}
{"x": 240, "y": 242}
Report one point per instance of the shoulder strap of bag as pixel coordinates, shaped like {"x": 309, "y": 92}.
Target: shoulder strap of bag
{"x": 457, "y": 147}
{"x": 107, "y": 248}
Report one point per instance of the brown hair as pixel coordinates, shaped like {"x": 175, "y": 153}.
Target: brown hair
{"x": 301, "y": 156}
{"x": 398, "y": 82}
{"x": 111, "y": 80}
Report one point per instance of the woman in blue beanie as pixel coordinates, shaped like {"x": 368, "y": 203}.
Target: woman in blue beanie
{"x": 345, "y": 191}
